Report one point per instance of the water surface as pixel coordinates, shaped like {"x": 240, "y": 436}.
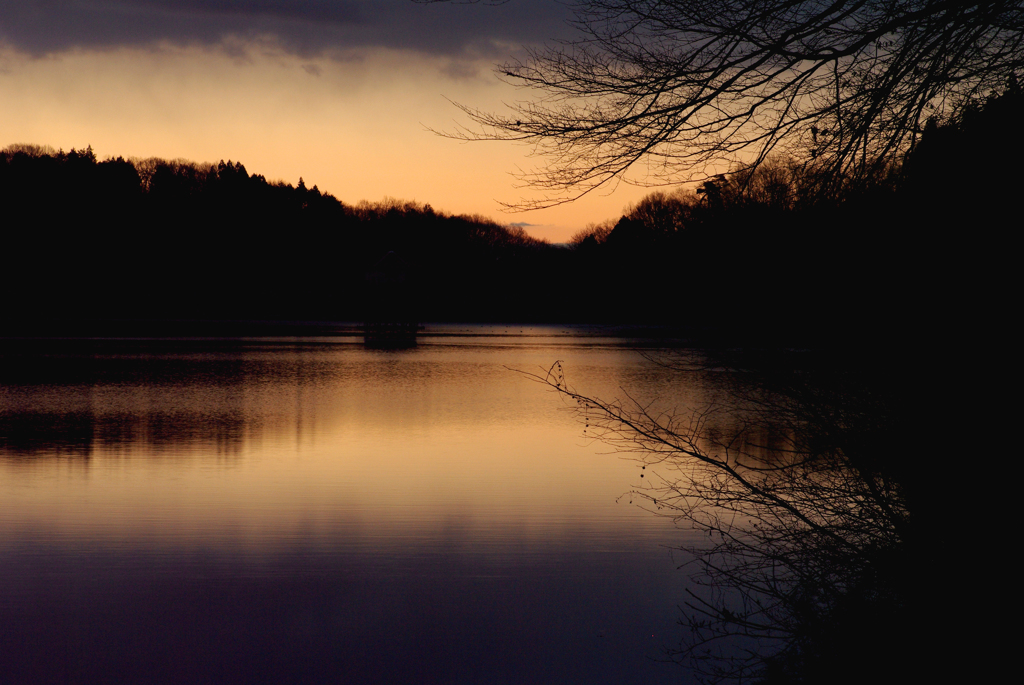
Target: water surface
{"x": 310, "y": 510}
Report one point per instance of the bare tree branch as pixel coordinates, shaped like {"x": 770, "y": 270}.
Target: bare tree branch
{"x": 692, "y": 87}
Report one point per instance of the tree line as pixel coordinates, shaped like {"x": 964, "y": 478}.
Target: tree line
{"x": 783, "y": 246}
{"x": 117, "y": 238}
{"x": 759, "y": 249}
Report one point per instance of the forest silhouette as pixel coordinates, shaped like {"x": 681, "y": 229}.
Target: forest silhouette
{"x": 762, "y": 252}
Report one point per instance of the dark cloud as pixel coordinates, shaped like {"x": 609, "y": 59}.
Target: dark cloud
{"x": 331, "y": 11}
{"x": 304, "y": 27}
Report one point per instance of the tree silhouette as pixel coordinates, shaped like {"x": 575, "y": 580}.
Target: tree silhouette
{"x": 692, "y": 87}
{"x": 171, "y": 239}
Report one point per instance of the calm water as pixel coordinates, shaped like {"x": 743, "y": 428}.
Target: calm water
{"x": 315, "y": 511}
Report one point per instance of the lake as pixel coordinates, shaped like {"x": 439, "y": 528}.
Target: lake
{"x": 310, "y": 510}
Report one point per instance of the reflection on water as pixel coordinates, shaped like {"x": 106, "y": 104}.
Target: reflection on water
{"x": 315, "y": 511}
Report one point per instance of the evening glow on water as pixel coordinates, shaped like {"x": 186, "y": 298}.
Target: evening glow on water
{"x": 413, "y": 442}
{"x": 308, "y": 510}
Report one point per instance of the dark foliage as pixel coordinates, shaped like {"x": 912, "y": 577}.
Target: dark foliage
{"x": 750, "y": 253}
{"x": 894, "y": 258}
{"x": 156, "y": 239}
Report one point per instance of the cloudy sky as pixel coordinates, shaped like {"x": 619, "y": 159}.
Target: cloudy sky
{"x": 341, "y": 92}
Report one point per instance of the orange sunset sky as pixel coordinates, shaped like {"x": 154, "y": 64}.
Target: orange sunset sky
{"x": 340, "y": 92}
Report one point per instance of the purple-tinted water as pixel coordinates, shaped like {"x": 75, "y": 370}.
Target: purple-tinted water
{"x": 315, "y": 511}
